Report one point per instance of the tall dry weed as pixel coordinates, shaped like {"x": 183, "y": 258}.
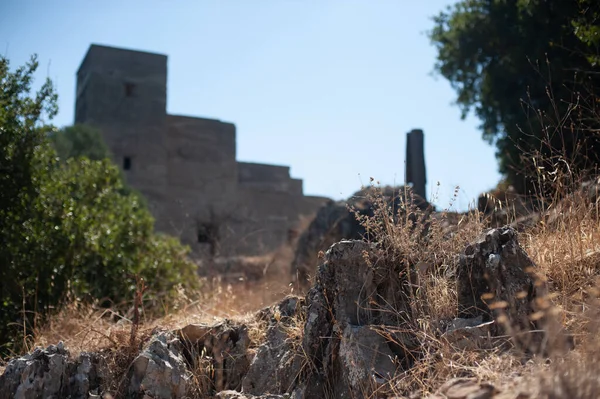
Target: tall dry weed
{"x": 565, "y": 247}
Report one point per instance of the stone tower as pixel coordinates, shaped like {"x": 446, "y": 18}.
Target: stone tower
{"x": 124, "y": 94}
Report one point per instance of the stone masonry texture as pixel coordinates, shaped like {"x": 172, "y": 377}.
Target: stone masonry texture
{"x": 186, "y": 166}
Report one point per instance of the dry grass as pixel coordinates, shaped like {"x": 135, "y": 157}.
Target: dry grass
{"x": 575, "y": 376}
{"x": 566, "y": 252}
{"x": 426, "y": 245}
{"x": 86, "y": 328}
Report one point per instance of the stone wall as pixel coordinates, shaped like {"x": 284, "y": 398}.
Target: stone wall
{"x": 186, "y": 166}
{"x": 201, "y": 177}
{"x": 268, "y": 178}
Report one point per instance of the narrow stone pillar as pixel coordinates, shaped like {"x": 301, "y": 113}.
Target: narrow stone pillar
{"x": 415, "y": 161}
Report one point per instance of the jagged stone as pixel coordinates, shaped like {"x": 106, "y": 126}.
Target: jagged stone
{"x": 50, "y": 374}
{"x": 278, "y": 362}
{"x": 160, "y": 372}
{"x": 349, "y": 345}
{"x": 84, "y": 375}
{"x": 276, "y": 365}
{"x": 287, "y": 307}
{"x": 334, "y": 222}
{"x": 497, "y": 281}
{"x": 354, "y": 294}
{"x": 367, "y": 359}
{"x": 226, "y": 343}
{"x": 496, "y": 277}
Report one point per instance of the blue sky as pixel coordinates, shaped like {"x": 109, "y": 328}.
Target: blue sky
{"x": 328, "y": 87}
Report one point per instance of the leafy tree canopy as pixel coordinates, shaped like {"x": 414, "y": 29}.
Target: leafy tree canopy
{"x": 79, "y": 141}
{"x": 587, "y": 28}
{"x": 83, "y": 141}
{"x": 523, "y": 69}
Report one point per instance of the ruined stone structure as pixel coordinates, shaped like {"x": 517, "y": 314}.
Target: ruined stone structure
{"x": 185, "y": 166}
{"x": 415, "y": 162}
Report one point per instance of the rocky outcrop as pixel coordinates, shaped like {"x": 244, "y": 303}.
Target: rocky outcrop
{"x": 497, "y": 282}
{"x": 239, "y": 395}
{"x": 278, "y": 362}
{"x": 360, "y": 303}
{"x": 349, "y": 337}
{"x": 495, "y": 276}
{"x": 225, "y": 345}
{"x": 334, "y": 222}
{"x": 160, "y": 371}
{"x": 51, "y": 374}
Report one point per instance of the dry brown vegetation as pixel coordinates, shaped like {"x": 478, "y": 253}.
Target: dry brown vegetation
{"x": 566, "y": 253}
{"x": 87, "y": 328}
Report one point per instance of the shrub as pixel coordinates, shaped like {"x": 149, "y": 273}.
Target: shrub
{"x": 79, "y": 141}
{"x": 69, "y": 227}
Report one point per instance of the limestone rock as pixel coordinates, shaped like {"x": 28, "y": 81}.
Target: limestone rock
{"x": 347, "y": 338}
{"x": 275, "y": 366}
{"x": 471, "y": 388}
{"x": 334, "y": 223}
{"x": 496, "y": 277}
{"x": 226, "y": 343}
{"x": 84, "y": 375}
{"x": 50, "y": 374}
{"x": 160, "y": 371}
{"x": 278, "y": 362}
{"x": 352, "y": 298}
{"x": 367, "y": 359}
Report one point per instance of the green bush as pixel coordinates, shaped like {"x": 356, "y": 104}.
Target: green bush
{"x": 79, "y": 141}
{"x": 69, "y": 226}
{"x": 82, "y": 141}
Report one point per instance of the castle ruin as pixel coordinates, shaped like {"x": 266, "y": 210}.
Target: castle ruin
{"x": 186, "y": 166}
{"x": 416, "y": 173}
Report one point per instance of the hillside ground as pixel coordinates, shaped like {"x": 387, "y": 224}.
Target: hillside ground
{"x": 567, "y": 256}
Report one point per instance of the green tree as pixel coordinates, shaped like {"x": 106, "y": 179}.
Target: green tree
{"x": 526, "y": 74}
{"x": 25, "y": 162}
{"x": 79, "y": 141}
{"x": 69, "y": 228}
{"x": 587, "y": 28}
